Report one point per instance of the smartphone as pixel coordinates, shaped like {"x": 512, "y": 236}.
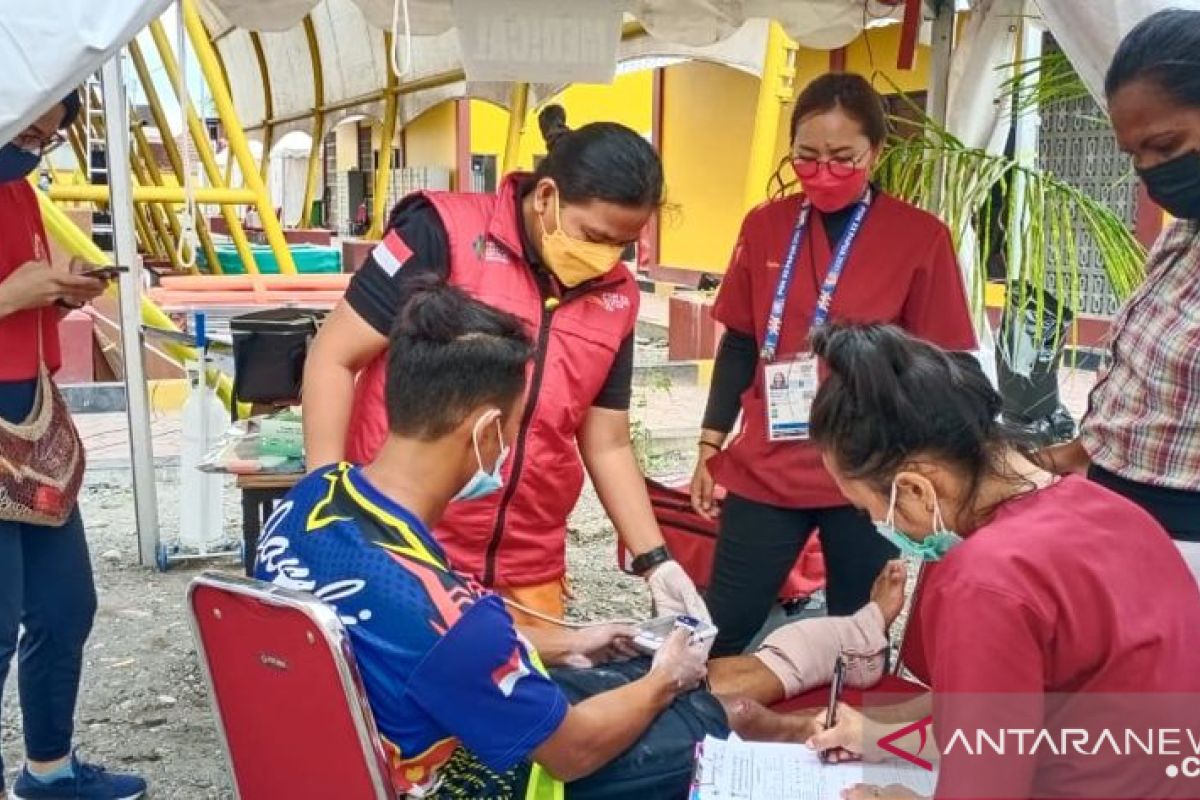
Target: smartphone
{"x": 653, "y": 633}
{"x": 108, "y": 273}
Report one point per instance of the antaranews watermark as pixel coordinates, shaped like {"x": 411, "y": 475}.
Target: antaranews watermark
{"x": 1080, "y": 746}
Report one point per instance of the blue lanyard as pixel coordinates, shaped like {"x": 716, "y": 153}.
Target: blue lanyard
{"x": 828, "y": 287}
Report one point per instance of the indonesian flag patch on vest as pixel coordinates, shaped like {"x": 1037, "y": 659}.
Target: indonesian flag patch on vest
{"x": 392, "y": 253}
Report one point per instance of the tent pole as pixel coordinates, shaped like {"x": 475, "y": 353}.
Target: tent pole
{"x": 775, "y": 89}
{"x": 383, "y": 171}
{"x": 518, "y": 109}
{"x": 318, "y": 123}
{"x": 939, "y": 80}
{"x": 137, "y": 401}
{"x": 264, "y": 73}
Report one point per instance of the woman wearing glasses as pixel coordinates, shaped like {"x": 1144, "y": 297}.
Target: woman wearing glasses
{"x": 838, "y": 250}
{"x": 47, "y": 595}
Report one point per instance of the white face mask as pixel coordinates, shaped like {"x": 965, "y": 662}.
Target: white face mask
{"x": 484, "y": 483}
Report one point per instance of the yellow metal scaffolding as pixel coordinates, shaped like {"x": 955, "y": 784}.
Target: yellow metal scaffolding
{"x": 383, "y": 170}
{"x": 318, "y": 123}
{"x": 160, "y": 121}
{"x": 238, "y": 145}
{"x": 200, "y": 139}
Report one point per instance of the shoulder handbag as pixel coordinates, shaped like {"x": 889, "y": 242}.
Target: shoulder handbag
{"x": 41, "y": 459}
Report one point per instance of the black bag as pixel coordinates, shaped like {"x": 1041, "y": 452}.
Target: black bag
{"x": 269, "y": 348}
{"x": 660, "y": 764}
{"x": 1028, "y": 354}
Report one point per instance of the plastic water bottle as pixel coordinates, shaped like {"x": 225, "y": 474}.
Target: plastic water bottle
{"x": 201, "y": 494}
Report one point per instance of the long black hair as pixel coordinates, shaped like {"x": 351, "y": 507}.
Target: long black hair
{"x": 448, "y": 355}
{"x": 600, "y": 161}
{"x": 891, "y": 397}
{"x": 1164, "y": 49}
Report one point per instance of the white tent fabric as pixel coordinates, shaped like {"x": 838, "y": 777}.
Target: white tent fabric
{"x": 1090, "y": 30}
{"x": 988, "y": 44}
{"x": 350, "y": 39}
{"x": 822, "y": 24}
{"x": 46, "y": 49}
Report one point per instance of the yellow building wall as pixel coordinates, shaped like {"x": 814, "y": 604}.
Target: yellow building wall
{"x": 879, "y": 60}
{"x": 489, "y": 128}
{"x": 347, "y": 146}
{"x": 431, "y": 140}
{"x": 629, "y": 100}
{"x": 708, "y": 118}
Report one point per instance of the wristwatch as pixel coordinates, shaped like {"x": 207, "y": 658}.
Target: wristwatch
{"x": 649, "y": 560}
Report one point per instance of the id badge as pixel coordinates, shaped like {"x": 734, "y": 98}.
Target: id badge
{"x": 790, "y": 387}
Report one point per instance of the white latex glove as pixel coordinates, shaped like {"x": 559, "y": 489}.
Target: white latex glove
{"x": 674, "y": 592}
{"x": 683, "y": 663}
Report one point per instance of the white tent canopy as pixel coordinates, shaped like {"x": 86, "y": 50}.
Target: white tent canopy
{"x": 47, "y": 49}
{"x": 349, "y": 38}
{"x": 1090, "y": 30}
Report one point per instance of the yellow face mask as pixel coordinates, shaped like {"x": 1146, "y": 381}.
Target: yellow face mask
{"x": 574, "y": 261}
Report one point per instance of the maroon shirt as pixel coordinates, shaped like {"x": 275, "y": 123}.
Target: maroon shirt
{"x": 902, "y": 270}
{"x": 1067, "y": 593}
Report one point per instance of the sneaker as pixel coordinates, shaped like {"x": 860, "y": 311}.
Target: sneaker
{"x": 88, "y": 783}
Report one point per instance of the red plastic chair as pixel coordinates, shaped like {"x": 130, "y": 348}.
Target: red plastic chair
{"x": 289, "y": 702}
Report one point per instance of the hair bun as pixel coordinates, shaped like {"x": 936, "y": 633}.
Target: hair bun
{"x": 431, "y": 310}
{"x": 552, "y": 122}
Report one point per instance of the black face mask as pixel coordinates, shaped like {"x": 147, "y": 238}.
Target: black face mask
{"x": 1175, "y": 185}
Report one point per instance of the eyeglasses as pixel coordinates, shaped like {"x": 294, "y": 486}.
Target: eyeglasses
{"x": 841, "y": 167}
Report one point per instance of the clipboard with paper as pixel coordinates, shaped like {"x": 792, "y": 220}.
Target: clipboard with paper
{"x": 733, "y": 769}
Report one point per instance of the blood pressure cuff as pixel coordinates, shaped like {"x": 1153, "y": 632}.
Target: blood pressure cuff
{"x": 660, "y": 764}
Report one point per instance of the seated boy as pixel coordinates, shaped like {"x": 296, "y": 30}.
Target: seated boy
{"x": 460, "y": 695}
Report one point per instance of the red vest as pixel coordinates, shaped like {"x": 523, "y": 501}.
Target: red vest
{"x": 517, "y": 537}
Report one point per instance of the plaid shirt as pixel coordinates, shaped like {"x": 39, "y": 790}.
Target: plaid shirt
{"x": 1143, "y": 420}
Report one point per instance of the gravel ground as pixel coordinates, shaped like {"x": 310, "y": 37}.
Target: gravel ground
{"x": 143, "y": 705}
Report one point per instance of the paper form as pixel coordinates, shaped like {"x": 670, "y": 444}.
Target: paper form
{"x": 738, "y": 770}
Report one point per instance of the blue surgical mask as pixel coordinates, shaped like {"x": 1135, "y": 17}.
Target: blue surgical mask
{"x": 932, "y": 548}
{"x": 483, "y": 483}
{"x": 16, "y": 162}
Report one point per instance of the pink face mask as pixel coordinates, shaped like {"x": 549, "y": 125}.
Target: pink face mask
{"x": 829, "y": 192}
